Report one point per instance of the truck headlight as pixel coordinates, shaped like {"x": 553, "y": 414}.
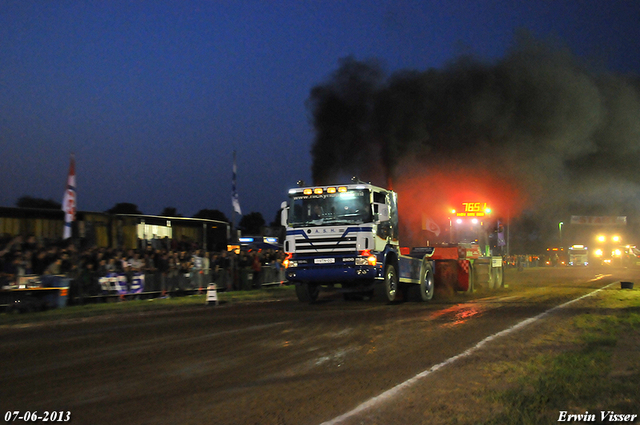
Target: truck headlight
{"x": 287, "y": 262}
{"x": 366, "y": 259}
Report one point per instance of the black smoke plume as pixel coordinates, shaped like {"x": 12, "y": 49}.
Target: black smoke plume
{"x": 566, "y": 133}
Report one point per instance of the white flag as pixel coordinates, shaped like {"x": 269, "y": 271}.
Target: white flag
{"x": 69, "y": 200}
{"x": 430, "y": 225}
{"x": 234, "y": 194}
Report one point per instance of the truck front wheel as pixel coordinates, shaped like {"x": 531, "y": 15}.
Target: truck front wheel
{"x": 389, "y": 288}
{"x": 306, "y": 292}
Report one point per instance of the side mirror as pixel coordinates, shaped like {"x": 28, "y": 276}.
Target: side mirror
{"x": 381, "y": 212}
{"x": 284, "y": 214}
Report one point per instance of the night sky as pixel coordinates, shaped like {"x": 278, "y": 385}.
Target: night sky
{"x": 153, "y": 97}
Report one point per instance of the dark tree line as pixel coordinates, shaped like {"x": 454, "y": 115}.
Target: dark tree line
{"x": 251, "y": 223}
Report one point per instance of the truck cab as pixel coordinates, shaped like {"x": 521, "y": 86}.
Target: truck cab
{"x": 339, "y": 234}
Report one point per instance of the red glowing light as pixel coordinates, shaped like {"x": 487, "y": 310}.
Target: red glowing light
{"x": 431, "y": 194}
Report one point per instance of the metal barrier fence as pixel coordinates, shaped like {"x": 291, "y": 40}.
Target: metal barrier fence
{"x": 196, "y": 280}
{"x": 97, "y": 287}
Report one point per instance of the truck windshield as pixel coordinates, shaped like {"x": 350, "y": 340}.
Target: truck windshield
{"x": 352, "y": 207}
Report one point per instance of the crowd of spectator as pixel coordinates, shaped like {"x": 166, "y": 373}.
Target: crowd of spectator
{"x": 167, "y": 268}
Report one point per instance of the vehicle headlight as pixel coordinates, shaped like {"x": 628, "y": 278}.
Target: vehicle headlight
{"x": 366, "y": 261}
{"x": 598, "y": 253}
{"x": 366, "y": 258}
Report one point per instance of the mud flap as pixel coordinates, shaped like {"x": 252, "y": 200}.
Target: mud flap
{"x": 465, "y": 276}
{"x": 446, "y": 277}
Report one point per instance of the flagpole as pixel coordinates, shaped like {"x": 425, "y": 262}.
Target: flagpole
{"x": 508, "y": 231}
{"x": 233, "y": 194}
{"x": 235, "y": 202}
{"x": 233, "y": 220}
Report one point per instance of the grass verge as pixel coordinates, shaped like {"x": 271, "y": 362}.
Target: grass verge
{"x": 598, "y": 372}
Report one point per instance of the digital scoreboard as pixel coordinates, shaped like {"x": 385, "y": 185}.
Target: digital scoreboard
{"x": 473, "y": 209}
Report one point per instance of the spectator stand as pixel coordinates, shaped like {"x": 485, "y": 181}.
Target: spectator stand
{"x": 96, "y": 274}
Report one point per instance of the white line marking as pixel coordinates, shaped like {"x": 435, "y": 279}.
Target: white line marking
{"x": 406, "y": 384}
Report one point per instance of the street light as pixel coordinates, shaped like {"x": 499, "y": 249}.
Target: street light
{"x": 560, "y": 227}
{"x": 453, "y": 213}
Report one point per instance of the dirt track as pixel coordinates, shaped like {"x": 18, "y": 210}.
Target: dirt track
{"x": 279, "y": 362}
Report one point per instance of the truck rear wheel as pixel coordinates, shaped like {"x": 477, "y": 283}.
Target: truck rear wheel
{"x": 389, "y": 288}
{"x": 306, "y": 292}
{"x": 491, "y": 283}
{"x": 472, "y": 279}
{"x": 497, "y": 277}
{"x": 427, "y": 283}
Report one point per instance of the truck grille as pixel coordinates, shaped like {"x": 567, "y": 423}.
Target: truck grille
{"x": 325, "y": 245}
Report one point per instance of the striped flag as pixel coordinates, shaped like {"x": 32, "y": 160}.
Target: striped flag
{"x": 234, "y": 193}
{"x": 69, "y": 200}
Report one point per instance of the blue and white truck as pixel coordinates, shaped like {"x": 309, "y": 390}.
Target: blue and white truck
{"x": 348, "y": 235}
